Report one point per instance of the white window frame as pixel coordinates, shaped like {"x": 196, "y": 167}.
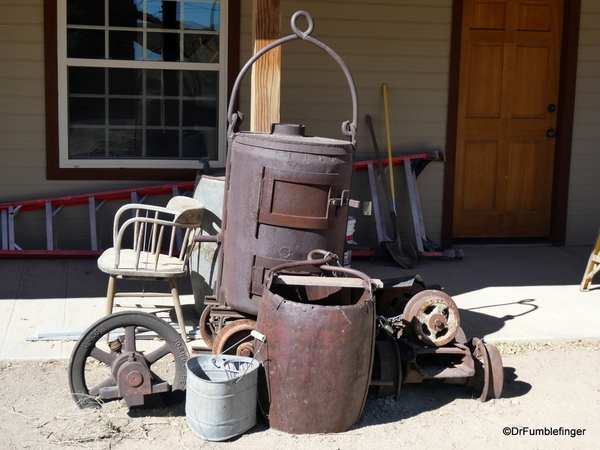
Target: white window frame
{"x": 137, "y": 163}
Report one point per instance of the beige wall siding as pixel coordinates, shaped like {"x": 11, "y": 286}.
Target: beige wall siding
{"x": 405, "y": 45}
{"x": 584, "y": 193}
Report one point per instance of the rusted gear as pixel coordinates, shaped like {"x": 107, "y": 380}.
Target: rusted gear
{"x": 101, "y": 370}
{"x": 489, "y": 372}
{"x": 232, "y": 338}
{"x": 432, "y": 318}
{"x": 207, "y": 326}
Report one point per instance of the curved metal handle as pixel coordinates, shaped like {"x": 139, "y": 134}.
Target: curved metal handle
{"x": 322, "y": 263}
{"x": 348, "y": 128}
{"x": 328, "y": 257}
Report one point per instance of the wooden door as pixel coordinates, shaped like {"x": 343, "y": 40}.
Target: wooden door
{"x": 508, "y": 92}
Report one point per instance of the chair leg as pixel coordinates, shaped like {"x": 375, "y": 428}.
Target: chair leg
{"x": 178, "y": 310}
{"x": 110, "y": 294}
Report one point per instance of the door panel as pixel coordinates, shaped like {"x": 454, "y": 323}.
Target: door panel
{"x": 509, "y": 70}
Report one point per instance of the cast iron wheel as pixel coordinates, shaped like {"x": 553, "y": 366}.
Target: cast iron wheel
{"x": 100, "y": 370}
{"x": 431, "y": 317}
{"x": 489, "y": 371}
{"x": 234, "y": 339}
{"x": 387, "y": 366}
{"x": 207, "y": 327}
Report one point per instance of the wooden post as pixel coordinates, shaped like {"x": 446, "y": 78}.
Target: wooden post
{"x": 266, "y": 72}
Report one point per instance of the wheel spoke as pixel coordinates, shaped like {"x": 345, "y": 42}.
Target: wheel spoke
{"x": 129, "y": 344}
{"x": 94, "y": 392}
{"x": 102, "y": 356}
{"x": 157, "y": 354}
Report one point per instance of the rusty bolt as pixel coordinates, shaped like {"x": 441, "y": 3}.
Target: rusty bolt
{"x": 135, "y": 378}
{"x": 439, "y": 322}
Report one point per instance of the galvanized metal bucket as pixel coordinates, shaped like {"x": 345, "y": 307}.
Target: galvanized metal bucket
{"x": 318, "y": 354}
{"x": 221, "y": 395}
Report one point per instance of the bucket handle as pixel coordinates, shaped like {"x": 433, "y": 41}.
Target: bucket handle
{"x": 348, "y": 128}
{"x": 323, "y": 264}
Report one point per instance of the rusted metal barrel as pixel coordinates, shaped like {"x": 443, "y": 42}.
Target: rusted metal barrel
{"x": 318, "y": 355}
{"x": 286, "y": 194}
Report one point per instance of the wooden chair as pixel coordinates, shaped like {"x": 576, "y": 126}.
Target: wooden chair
{"x": 593, "y": 266}
{"x": 153, "y": 232}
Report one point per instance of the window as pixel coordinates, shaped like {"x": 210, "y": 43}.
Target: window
{"x": 141, "y": 83}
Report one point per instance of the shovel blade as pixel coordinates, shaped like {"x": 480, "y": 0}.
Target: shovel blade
{"x": 403, "y": 253}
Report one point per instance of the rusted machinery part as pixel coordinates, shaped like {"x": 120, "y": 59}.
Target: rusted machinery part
{"x": 387, "y": 369}
{"x": 392, "y": 301}
{"x": 233, "y": 339}
{"x": 489, "y": 371}
{"x": 207, "y": 327}
{"x": 431, "y": 317}
{"x": 100, "y": 371}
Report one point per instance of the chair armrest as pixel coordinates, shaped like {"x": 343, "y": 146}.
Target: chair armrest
{"x": 186, "y": 212}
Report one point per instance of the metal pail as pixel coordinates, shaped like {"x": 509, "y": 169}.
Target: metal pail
{"x": 221, "y": 395}
{"x": 318, "y": 354}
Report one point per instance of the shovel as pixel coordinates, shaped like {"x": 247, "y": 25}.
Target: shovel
{"x": 402, "y": 252}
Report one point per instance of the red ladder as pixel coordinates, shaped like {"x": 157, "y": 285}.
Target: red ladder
{"x": 8, "y": 212}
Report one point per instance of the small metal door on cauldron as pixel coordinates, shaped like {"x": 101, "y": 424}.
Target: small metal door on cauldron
{"x": 286, "y": 194}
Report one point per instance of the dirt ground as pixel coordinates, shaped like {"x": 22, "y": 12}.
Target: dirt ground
{"x": 547, "y": 386}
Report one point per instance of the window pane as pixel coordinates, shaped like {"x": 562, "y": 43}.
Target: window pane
{"x": 162, "y": 14}
{"x": 197, "y": 113}
{"x": 200, "y": 144}
{"x": 162, "y": 113}
{"x": 125, "y": 13}
{"x": 85, "y": 44}
{"x": 162, "y": 143}
{"x": 162, "y": 83}
{"x": 163, "y": 47}
{"x": 200, "y": 15}
{"x": 125, "y": 45}
{"x": 125, "y": 111}
{"x": 86, "y": 142}
{"x": 200, "y": 83}
{"x": 201, "y": 48}
{"x": 125, "y": 81}
{"x": 86, "y": 80}
{"x": 85, "y": 12}
{"x": 88, "y": 111}
{"x": 124, "y": 143}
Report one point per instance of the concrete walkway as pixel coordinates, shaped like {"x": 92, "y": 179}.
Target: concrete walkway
{"x": 504, "y": 293}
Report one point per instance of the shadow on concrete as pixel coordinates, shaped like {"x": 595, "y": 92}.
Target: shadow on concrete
{"x": 477, "y": 324}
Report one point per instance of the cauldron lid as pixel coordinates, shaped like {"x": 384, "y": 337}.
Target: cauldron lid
{"x": 291, "y": 138}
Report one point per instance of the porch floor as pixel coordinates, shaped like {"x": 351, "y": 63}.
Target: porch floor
{"x": 523, "y": 293}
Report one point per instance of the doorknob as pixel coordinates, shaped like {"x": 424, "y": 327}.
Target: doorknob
{"x": 551, "y": 108}
{"x": 550, "y": 133}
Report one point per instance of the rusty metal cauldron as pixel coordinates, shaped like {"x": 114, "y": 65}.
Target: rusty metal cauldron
{"x": 285, "y": 193}
{"x": 318, "y": 354}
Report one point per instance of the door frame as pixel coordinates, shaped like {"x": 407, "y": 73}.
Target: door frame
{"x": 564, "y": 124}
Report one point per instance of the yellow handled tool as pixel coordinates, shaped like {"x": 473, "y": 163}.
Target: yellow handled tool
{"x": 389, "y": 146}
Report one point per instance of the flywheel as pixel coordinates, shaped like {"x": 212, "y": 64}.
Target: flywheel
{"x": 121, "y": 366}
